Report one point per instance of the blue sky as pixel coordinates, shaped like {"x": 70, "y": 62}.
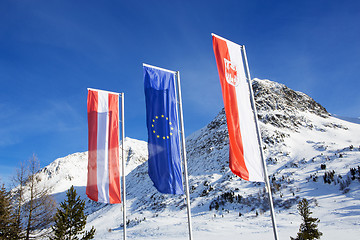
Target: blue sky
{"x": 52, "y": 51}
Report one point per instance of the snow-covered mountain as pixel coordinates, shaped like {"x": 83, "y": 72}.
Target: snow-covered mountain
{"x": 64, "y": 172}
{"x": 309, "y": 154}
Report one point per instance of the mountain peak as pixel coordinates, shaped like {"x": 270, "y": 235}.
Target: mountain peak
{"x": 283, "y": 107}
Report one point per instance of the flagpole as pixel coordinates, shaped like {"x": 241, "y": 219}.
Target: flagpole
{"x": 184, "y": 154}
{"x": 123, "y": 164}
{"x": 267, "y": 183}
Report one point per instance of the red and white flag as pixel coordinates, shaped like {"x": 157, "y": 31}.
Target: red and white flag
{"x": 103, "y": 183}
{"x": 245, "y": 158}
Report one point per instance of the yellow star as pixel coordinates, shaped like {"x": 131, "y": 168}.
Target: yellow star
{"x": 162, "y": 115}
{"x": 152, "y": 125}
{"x": 167, "y": 118}
{"x": 169, "y": 123}
{"x": 157, "y": 136}
{"x": 154, "y": 131}
{"x": 153, "y": 120}
{"x": 167, "y": 137}
{"x": 163, "y": 137}
{"x": 170, "y": 133}
{"x": 156, "y": 117}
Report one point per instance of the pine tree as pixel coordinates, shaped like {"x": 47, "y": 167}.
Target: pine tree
{"x": 308, "y": 229}
{"x": 7, "y": 219}
{"x": 70, "y": 219}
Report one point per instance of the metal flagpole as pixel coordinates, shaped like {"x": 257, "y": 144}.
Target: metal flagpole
{"x": 123, "y": 163}
{"x": 184, "y": 154}
{"x": 260, "y": 144}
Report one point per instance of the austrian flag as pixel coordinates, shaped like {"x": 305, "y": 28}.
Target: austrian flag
{"x": 103, "y": 183}
{"x": 245, "y": 157}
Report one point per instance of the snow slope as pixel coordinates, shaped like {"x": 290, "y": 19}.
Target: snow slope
{"x": 302, "y": 143}
{"x": 72, "y": 169}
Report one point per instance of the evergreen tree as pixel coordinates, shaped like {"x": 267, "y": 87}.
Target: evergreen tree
{"x": 7, "y": 219}
{"x": 70, "y": 219}
{"x": 308, "y": 229}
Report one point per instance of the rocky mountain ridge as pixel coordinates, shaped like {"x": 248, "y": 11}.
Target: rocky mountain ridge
{"x": 302, "y": 144}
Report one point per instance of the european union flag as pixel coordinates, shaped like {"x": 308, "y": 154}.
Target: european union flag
{"x": 163, "y": 130}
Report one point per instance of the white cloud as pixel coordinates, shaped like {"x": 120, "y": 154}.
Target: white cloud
{"x": 17, "y": 123}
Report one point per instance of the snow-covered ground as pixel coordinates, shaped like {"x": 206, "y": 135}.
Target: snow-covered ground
{"x": 302, "y": 142}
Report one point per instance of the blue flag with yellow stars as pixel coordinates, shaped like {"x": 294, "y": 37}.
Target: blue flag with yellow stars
{"x": 163, "y": 130}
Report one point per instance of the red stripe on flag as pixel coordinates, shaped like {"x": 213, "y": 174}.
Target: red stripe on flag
{"x": 92, "y": 107}
{"x": 236, "y": 150}
{"x": 114, "y": 173}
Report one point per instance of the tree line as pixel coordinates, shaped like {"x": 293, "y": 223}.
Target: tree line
{"x": 28, "y": 211}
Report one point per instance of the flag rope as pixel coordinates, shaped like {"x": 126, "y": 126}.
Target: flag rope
{"x": 123, "y": 163}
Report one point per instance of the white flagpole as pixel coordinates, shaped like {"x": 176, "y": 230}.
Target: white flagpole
{"x": 260, "y": 144}
{"x": 184, "y": 154}
{"x": 123, "y": 164}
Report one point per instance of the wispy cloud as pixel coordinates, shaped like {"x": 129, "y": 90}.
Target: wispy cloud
{"x": 17, "y": 123}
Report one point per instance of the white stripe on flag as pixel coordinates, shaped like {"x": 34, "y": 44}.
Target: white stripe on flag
{"x": 252, "y": 155}
{"x": 102, "y": 147}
